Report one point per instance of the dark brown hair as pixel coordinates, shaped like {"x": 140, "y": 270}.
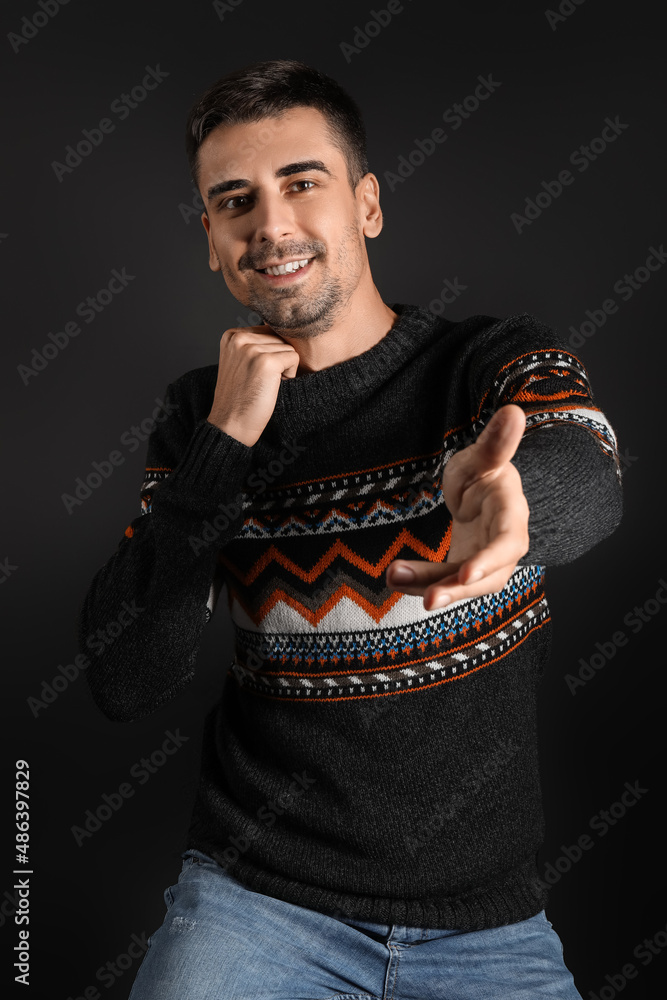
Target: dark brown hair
{"x": 269, "y": 89}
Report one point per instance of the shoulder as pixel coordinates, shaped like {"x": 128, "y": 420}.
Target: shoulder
{"x": 515, "y": 327}
{"x": 484, "y": 338}
{"x": 493, "y": 341}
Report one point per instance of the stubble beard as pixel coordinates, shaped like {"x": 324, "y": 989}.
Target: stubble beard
{"x": 300, "y": 314}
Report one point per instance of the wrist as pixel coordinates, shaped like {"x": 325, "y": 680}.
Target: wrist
{"x": 231, "y": 429}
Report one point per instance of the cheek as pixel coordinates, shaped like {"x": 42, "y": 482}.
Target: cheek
{"x": 229, "y": 256}
{"x": 328, "y": 226}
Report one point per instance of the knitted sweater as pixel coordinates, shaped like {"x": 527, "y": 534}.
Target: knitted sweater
{"x": 367, "y": 757}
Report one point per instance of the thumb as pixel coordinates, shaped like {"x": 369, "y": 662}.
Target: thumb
{"x": 501, "y": 437}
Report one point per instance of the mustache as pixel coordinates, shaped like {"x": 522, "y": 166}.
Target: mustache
{"x": 283, "y": 251}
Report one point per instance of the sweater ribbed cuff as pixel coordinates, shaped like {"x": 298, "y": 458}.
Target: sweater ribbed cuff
{"x": 212, "y": 471}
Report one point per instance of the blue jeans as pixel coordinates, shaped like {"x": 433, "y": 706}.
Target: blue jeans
{"x": 222, "y": 941}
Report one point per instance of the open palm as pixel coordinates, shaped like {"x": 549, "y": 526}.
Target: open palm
{"x": 483, "y": 493}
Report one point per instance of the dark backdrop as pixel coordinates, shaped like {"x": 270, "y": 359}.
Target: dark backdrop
{"x": 129, "y": 205}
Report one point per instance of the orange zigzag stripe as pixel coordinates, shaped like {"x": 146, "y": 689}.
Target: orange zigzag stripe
{"x": 309, "y": 576}
{"x": 339, "y": 548}
{"x": 315, "y": 617}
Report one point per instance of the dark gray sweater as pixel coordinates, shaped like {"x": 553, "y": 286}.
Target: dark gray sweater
{"x": 367, "y": 757}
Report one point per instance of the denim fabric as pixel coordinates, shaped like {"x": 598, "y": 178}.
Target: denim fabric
{"x": 219, "y": 939}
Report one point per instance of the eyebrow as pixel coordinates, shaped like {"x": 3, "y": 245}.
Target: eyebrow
{"x": 290, "y": 168}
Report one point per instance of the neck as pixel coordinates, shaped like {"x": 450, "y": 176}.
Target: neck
{"x": 361, "y": 323}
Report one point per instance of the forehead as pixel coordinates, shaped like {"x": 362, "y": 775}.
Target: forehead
{"x": 268, "y": 144}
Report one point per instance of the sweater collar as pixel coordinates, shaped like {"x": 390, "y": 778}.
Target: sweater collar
{"x": 317, "y": 399}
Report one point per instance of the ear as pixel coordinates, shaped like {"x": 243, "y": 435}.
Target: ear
{"x": 213, "y": 261}
{"x": 368, "y": 198}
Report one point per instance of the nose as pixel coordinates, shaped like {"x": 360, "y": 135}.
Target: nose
{"x": 273, "y": 218}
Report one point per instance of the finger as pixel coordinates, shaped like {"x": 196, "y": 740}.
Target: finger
{"x": 423, "y": 574}
{"x": 508, "y": 546}
{"x": 457, "y": 578}
{"x": 484, "y": 573}
{"x": 500, "y": 438}
{"x": 439, "y": 596}
{"x": 495, "y": 446}
{"x": 510, "y": 542}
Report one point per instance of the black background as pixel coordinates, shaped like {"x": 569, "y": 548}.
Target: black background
{"x": 125, "y": 206}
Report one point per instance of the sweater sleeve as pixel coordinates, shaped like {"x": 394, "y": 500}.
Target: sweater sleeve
{"x": 568, "y": 457}
{"x": 141, "y": 620}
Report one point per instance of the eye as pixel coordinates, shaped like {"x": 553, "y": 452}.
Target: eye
{"x": 241, "y": 200}
{"x": 230, "y": 201}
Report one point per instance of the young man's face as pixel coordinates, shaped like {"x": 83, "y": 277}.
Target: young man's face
{"x": 277, "y": 191}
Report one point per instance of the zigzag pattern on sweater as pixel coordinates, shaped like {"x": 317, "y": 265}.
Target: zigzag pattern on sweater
{"x": 413, "y": 650}
{"x": 552, "y": 386}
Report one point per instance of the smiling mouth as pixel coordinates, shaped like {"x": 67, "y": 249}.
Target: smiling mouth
{"x": 289, "y": 267}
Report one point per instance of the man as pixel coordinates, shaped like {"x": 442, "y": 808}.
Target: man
{"x": 368, "y": 812}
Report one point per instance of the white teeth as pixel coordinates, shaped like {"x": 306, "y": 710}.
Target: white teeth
{"x": 288, "y": 268}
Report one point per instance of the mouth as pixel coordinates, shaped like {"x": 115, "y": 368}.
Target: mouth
{"x": 285, "y": 272}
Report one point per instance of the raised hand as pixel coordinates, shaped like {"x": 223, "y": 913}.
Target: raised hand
{"x": 483, "y": 492}
{"x": 253, "y": 360}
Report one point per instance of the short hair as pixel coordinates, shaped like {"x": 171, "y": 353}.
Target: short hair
{"x": 269, "y": 89}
